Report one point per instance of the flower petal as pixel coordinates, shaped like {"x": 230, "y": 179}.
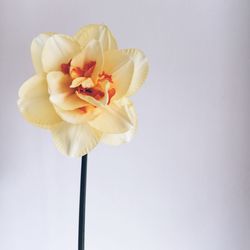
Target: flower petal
{"x": 114, "y": 118}
{"x": 34, "y": 103}
{"x": 140, "y": 69}
{"x": 57, "y": 50}
{"x": 74, "y": 140}
{"x": 92, "y": 52}
{"x": 97, "y": 32}
{"x": 36, "y": 50}
{"x": 60, "y": 92}
{"x": 121, "y": 67}
{"x": 117, "y": 139}
{"x": 77, "y": 116}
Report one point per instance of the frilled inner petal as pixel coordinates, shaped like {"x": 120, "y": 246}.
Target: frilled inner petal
{"x": 117, "y": 139}
{"x": 57, "y": 50}
{"x": 75, "y": 140}
{"x": 121, "y": 67}
{"x": 114, "y": 119}
{"x": 34, "y": 103}
{"x": 83, "y": 77}
{"x": 140, "y": 69}
{"x": 89, "y": 62}
{"x": 73, "y": 91}
{"x": 61, "y": 94}
{"x": 97, "y": 32}
{"x": 77, "y": 116}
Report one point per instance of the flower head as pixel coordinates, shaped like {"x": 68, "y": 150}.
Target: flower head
{"x": 81, "y": 88}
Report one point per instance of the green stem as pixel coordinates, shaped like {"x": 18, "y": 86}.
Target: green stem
{"x": 82, "y": 205}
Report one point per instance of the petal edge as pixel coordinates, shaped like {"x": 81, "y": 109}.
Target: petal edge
{"x": 74, "y": 140}
{"x": 34, "y": 103}
{"x": 141, "y": 69}
{"x": 99, "y": 32}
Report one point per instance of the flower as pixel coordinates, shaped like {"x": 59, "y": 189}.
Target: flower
{"x": 81, "y": 88}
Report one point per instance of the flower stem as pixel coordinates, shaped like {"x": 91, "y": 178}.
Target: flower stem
{"x": 82, "y": 205}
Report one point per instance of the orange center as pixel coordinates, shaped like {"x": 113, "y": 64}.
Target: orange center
{"x": 87, "y": 71}
{"x": 96, "y": 93}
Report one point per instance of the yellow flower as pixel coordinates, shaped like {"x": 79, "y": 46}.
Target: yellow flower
{"x": 81, "y": 89}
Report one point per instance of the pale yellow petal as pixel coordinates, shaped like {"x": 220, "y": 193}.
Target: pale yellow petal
{"x": 92, "y": 52}
{"x": 117, "y": 139}
{"x": 89, "y": 99}
{"x": 59, "y": 82}
{"x": 98, "y": 32}
{"x": 60, "y": 92}
{"x": 34, "y": 103}
{"x": 76, "y": 116}
{"x": 57, "y": 50}
{"x": 121, "y": 67}
{"x": 114, "y": 118}
{"x": 141, "y": 68}
{"x": 67, "y": 102}
{"x": 36, "y": 50}
{"x": 75, "y": 140}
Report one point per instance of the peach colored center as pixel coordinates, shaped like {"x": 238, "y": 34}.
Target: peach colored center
{"x": 87, "y": 71}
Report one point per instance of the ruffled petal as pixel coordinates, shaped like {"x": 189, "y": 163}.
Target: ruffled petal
{"x": 140, "y": 69}
{"x": 58, "y": 83}
{"x": 67, "y": 102}
{"x": 92, "y": 52}
{"x": 60, "y": 92}
{"x": 121, "y": 67}
{"x": 36, "y": 50}
{"x": 117, "y": 139}
{"x": 77, "y": 116}
{"x": 57, "y": 50}
{"x": 114, "y": 118}
{"x": 75, "y": 140}
{"x": 34, "y": 103}
{"x": 97, "y": 32}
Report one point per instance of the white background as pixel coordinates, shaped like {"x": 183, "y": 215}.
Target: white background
{"x": 183, "y": 182}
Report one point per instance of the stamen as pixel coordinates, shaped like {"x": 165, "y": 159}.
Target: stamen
{"x": 95, "y": 93}
{"x": 105, "y": 77}
{"x": 111, "y": 93}
{"x": 86, "y": 71}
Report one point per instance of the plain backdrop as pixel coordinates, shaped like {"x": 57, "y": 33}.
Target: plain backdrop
{"x": 183, "y": 183}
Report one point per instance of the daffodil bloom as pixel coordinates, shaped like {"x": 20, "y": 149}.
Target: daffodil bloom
{"x": 81, "y": 88}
